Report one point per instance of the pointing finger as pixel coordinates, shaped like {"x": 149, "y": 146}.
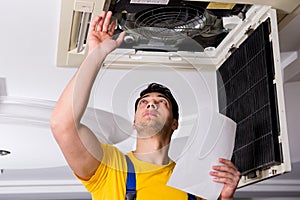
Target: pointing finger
{"x": 100, "y": 22}
{"x": 106, "y": 21}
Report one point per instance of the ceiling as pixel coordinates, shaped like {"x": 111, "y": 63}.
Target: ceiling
{"x": 30, "y": 80}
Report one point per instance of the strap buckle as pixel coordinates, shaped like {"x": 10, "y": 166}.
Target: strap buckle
{"x": 130, "y": 195}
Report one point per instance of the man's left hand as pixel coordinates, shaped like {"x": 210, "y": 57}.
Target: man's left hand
{"x": 228, "y": 174}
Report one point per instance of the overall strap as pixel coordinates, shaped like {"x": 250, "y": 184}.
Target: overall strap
{"x": 191, "y": 197}
{"x": 131, "y": 182}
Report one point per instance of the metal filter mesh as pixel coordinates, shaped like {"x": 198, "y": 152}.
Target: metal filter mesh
{"x": 247, "y": 95}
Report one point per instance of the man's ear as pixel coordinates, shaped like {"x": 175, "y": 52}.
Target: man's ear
{"x": 175, "y": 124}
{"x": 133, "y": 124}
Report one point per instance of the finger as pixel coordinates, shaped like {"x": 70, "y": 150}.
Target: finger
{"x": 227, "y": 162}
{"x": 231, "y": 174}
{"x": 112, "y": 28}
{"x": 106, "y": 21}
{"x": 225, "y": 168}
{"x": 226, "y": 177}
{"x": 120, "y": 38}
{"x": 225, "y": 181}
{"x": 100, "y": 22}
{"x": 223, "y": 177}
{"x": 94, "y": 23}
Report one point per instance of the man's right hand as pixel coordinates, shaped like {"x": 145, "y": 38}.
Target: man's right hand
{"x": 101, "y": 32}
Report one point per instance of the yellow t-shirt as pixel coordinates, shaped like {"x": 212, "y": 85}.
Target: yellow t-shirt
{"x": 109, "y": 181}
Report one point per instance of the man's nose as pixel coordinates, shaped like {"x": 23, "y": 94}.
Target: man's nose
{"x": 151, "y": 105}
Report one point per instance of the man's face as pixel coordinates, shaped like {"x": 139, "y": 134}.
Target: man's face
{"x": 153, "y": 114}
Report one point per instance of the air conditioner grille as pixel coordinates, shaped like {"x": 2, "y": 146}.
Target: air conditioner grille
{"x": 247, "y": 94}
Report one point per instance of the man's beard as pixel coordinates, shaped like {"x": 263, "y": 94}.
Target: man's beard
{"x": 149, "y": 128}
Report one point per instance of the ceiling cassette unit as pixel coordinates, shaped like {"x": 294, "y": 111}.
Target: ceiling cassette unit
{"x": 237, "y": 42}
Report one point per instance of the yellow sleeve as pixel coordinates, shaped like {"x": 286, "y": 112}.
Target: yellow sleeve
{"x": 113, "y": 162}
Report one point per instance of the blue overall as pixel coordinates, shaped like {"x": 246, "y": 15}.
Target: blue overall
{"x": 131, "y": 182}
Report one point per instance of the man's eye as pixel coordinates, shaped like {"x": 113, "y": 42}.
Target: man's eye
{"x": 163, "y": 101}
{"x": 143, "y": 101}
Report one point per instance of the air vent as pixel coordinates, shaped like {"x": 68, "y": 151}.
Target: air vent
{"x": 74, "y": 22}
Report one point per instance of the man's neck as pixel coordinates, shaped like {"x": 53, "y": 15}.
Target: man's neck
{"x": 153, "y": 150}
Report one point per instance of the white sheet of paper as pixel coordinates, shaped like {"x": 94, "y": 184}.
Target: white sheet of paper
{"x": 213, "y": 137}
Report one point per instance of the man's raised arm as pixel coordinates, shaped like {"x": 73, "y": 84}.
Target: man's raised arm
{"x": 79, "y": 145}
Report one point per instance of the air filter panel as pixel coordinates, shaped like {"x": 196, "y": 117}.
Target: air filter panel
{"x": 247, "y": 95}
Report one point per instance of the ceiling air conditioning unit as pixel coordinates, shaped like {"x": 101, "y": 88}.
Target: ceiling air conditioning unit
{"x": 237, "y": 42}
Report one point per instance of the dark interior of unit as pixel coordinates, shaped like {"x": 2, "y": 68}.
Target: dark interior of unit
{"x": 247, "y": 95}
{"x": 172, "y": 27}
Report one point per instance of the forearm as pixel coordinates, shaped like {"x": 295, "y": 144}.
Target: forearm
{"x": 84, "y": 81}
{"x": 74, "y": 99}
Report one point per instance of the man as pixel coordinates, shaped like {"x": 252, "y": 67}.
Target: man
{"x": 102, "y": 168}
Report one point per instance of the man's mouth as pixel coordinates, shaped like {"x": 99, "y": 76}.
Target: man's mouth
{"x": 149, "y": 113}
